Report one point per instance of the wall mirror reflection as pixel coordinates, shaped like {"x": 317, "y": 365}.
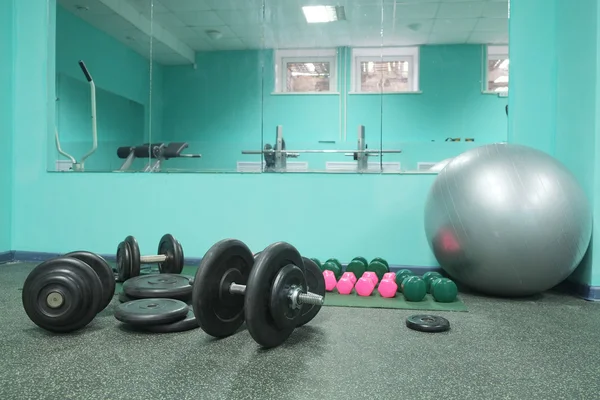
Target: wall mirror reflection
{"x": 409, "y": 83}
{"x": 102, "y": 84}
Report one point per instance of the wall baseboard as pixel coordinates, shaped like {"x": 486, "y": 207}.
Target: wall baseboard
{"x": 586, "y": 292}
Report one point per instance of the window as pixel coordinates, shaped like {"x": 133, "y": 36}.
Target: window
{"x": 497, "y": 69}
{"x": 306, "y": 71}
{"x": 387, "y": 70}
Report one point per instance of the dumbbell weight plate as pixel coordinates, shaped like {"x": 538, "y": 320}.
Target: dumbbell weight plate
{"x": 379, "y": 268}
{"x": 171, "y": 248}
{"x": 159, "y": 285}
{"x": 123, "y": 298}
{"x": 146, "y": 312}
{"x": 183, "y": 325}
{"x": 381, "y": 260}
{"x": 134, "y": 251}
{"x": 62, "y": 295}
{"x": 289, "y": 278}
{"x": 259, "y": 320}
{"x": 427, "y": 323}
{"x": 316, "y": 284}
{"x": 220, "y": 313}
{"x": 104, "y": 272}
{"x": 123, "y": 262}
{"x": 364, "y": 260}
{"x": 336, "y": 262}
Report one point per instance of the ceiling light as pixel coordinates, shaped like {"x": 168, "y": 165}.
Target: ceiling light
{"x": 501, "y": 79}
{"x": 214, "y": 34}
{"x": 504, "y": 64}
{"x": 319, "y": 14}
{"x": 501, "y": 89}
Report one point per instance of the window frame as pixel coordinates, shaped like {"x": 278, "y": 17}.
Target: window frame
{"x": 495, "y": 51}
{"x": 386, "y": 54}
{"x": 282, "y": 57}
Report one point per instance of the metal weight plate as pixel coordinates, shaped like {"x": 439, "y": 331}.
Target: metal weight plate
{"x": 62, "y": 295}
{"x": 188, "y": 323}
{"x": 316, "y": 284}
{"x": 284, "y": 313}
{"x": 220, "y": 313}
{"x": 123, "y": 262}
{"x": 146, "y": 312}
{"x": 134, "y": 250}
{"x": 104, "y": 272}
{"x": 259, "y": 321}
{"x": 123, "y": 298}
{"x": 171, "y": 248}
{"x": 159, "y": 285}
{"x": 428, "y": 323}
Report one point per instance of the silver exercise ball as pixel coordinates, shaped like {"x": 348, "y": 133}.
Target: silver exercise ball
{"x": 440, "y": 165}
{"x": 507, "y": 220}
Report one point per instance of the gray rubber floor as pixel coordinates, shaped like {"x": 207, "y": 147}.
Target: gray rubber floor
{"x": 541, "y": 348}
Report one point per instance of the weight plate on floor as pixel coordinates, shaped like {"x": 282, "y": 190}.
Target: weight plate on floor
{"x": 134, "y": 251}
{"x": 123, "y": 298}
{"x": 287, "y": 280}
{"x": 159, "y": 285}
{"x": 171, "y": 248}
{"x": 104, "y": 272}
{"x": 220, "y": 313}
{"x": 123, "y": 262}
{"x": 427, "y": 323}
{"x": 259, "y": 321}
{"x": 62, "y": 294}
{"x": 316, "y": 284}
{"x": 190, "y": 322}
{"x": 146, "y": 312}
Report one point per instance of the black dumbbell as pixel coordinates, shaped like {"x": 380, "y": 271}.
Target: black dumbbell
{"x": 169, "y": 258}
{"x": 268, "y": 293}
{"x": 64, "y": 294}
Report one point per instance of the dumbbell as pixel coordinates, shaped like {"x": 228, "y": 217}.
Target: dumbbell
{"x": 346, "y": 283}
{"x": 366, "y": 284}
{"x": 268, "y": 293}
{"x": 169, "y": 258}
{"x": 64, "y": 294}
{"x": 334, "y": 265}
{"x": 413, "y": 288}
{"x": 330, "y": 281}
{"x": 444, "y": 290}
{"x": 388, "y": 287}
{"x": 429, "y": 277}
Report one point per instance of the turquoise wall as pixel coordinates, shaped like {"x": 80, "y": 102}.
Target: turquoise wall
{"x": 122, "y": 79}
{"x": 6, "y": 124}
{"x": 220, "y": 110}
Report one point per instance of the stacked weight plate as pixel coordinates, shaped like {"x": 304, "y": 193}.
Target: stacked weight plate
{"x": 157, "y": 303}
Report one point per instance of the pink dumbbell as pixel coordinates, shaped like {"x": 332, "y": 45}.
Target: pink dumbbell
{"x": 372, "y": 276}
{"x": 345, "y": 284}
{"x": 389, "y": 275}
{"x": 387, "y": 288}
{"x": 351, "y": 276}
{"x": 329, "y": 280}
{"x": 365, "y": 286}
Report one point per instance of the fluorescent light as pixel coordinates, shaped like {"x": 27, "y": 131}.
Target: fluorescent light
{"x": 310, "y": 66}
{"x": 320, "y": 14}
{"x": 501, "y": 89}
{"x": 504, "y": 64}
{"x": 501, "y": 79}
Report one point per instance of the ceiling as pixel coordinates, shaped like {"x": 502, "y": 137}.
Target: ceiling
{"x": 178, "y": 28}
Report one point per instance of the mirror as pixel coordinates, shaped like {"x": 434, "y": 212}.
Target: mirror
{"x": 455, "y": 64}
{"x": 102, "y": 85}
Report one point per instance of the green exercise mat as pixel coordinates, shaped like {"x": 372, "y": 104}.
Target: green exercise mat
{"x": 334, "y": 299}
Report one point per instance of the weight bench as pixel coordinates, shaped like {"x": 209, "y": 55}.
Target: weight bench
{"x": 156, "y": 151}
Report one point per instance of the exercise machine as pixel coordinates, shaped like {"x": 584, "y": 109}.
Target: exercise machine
{"x": 157, "y": 153}
{"x": 79, "y": 165}
{"x": 276, "y": 157}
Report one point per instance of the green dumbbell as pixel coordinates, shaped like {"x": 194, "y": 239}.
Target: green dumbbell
{"x": 379, "y": 268}
{"x": 336, "y": 262}
{"x": 400, "y": 275}
{"x": 429, "y": 277}
{"x": 316, "y": 261}
{"x": 444, "y": 290}
{"x": 364, "y": 260}
{"x": 333, "y": 267}
{"x": 414, "y": 288}
{"x": 357, "y": 267}
{"x": 381, "y": 260}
